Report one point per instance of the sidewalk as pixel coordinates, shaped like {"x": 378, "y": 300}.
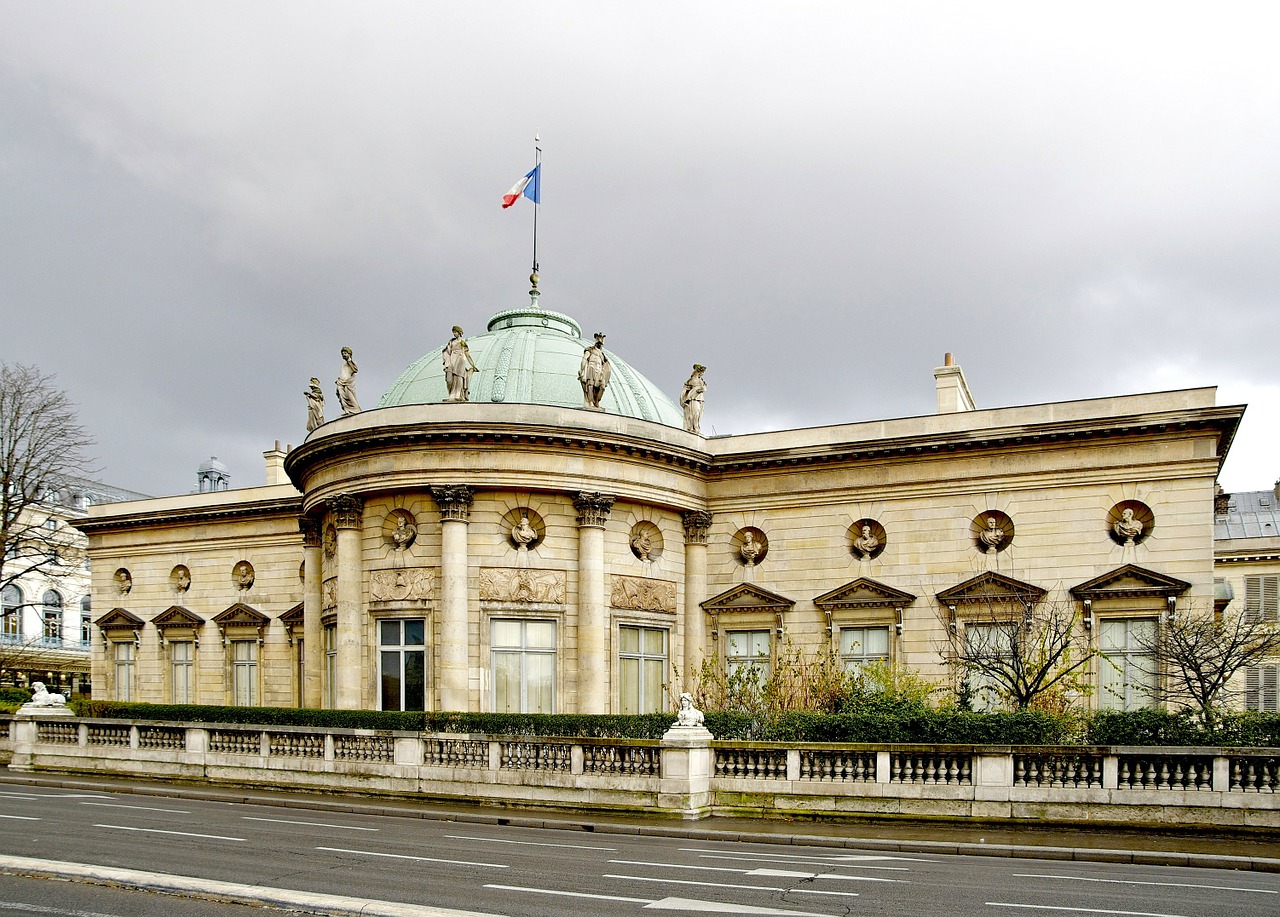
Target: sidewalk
{"x": 1225, "y": 850}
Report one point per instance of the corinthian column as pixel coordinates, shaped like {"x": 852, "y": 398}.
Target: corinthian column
{"x": 593, "y": 662}
{"x": 312, "y": 606}
{"x": 455, "y": 651}
{"x": 347, "y": 514}
{"x": 696, "y": 524}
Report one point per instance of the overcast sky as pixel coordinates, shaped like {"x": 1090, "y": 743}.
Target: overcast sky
{"x": 201, "y": 203}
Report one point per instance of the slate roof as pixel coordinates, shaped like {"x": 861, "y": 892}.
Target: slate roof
{"x": 1253, "y": 514}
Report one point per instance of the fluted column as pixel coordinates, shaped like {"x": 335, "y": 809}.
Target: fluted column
{"x": 696, "y": 525}
{"x": 312, "y": 608}
{"x": 347, "y": 513}
{"x": 593, "y": 619}
{"x": 455, "y": 650}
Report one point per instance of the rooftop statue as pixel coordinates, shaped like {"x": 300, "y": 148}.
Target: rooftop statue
{"x": 458, "y": 367}
{"x": 594, "y": 374}
{"x": 347, "y": 384}
{"x": 315, "y": 405}
{"x": 692, "y": 399}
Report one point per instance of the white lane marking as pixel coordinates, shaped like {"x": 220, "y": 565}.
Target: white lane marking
{"x": 814, "y": 891}
{"x": 405, "y": 856}
{"x": 54, "y": 795}
{"x": 311, "y": 824}
{"x": 666, "y": 881}
{"x": 786, "y": 859}
{"x": 211, "y": 837}
{"x": 552, "y": 891}
{"x": 42, "y": 909}
{"x": 1217, "y": 888}
{"x": 500, "y": 840}
{"x": 21, "y": 817}
{"x": 837, "y": 858}
{"x": 118, "y": 805}
{"x": 676, "y": 866}
{"x": 820, "y": 875}
{"x": 1081, "y": 910}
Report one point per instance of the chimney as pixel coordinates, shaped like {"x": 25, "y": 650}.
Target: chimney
{"x": 953, "y": 390}
{"x": 275, "y": 465}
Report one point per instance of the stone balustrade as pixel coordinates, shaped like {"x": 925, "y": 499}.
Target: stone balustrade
{"x": 685, "y": 774}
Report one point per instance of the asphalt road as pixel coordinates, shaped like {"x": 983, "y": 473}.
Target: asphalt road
{"x": 529, "y": 872}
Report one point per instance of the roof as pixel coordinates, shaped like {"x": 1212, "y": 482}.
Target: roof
{"x": 1253, "y": 514}
{"x": 532, "y": 356}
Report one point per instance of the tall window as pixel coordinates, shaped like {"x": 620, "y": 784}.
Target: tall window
{"x": 860, "y": 645}
{"x": 330, "y": 664}
{"x": 123, "y": 653}
{"x": 11, "y": 629}
{"x": 993, "y": 644}
{"x": 1126, "y": 669}
{"x": 1262, "y": 598}
{"x": 86, "y": 624}
{"x": 402, "y": 664}
{"x": 244, "y": 673}
{"x": 181, "y": 670}
{"x": 748, "y": 649}
{"x": 51, "y": 616}
{"x": 643, "y": 667}
{"x": 524, "y": 666}
{"x": 1262, "y": 687}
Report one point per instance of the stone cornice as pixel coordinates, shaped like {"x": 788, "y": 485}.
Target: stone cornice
{"x": 197, "y": 514}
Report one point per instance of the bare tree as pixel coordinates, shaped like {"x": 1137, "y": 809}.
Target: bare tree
{"x": 1201, "y": 654}
{"x": 42, "y": 448}
{"x": 1017, "y": 652}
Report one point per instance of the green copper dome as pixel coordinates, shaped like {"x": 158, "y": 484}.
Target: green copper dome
{"x": 531, "y": 356}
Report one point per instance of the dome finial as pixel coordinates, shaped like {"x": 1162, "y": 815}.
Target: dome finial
{"x": 533, "y": 292}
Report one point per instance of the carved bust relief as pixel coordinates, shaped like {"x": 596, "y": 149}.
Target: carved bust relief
{"x": 124, "y": 581}
{"x": 523, "y": 528}
{"x": 992, "y": 531}
{"x": 752, "y": 546}
{"x": 646, "y": 541}
{"x": 867, "y": 539}
{"x": 1130, "y": 522}
{"x": 180, "y": 579}
{"x": 400, "y": 529}
{"x": 242, "y": 575}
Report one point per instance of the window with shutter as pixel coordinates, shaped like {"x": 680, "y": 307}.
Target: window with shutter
{"x": 1262, "y": 598}
{"x": 1262, "y": 688}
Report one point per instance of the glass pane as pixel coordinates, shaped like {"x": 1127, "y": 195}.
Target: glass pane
{"x": 629, "y": 639}
{"x": 1142, "y": 633}
{"x": 655, "y": 642}
{"x": 506, "y": 682}
{"x": 876, "y": 641}
{"x": 760, "y": 643}
{"x": 1112, "y": 636}
{"x": 389, "y": 633}
{"x": 1111, "y": 683}
{"x": 390, "y": 681}
{"x": 330, "y": 637}
{"x": 629, "y": 689}
{"x": 415, "y": 680}
{"x": 415, "y": 633}
{"x": 654, "y": 700}
{"x": 851, "y": 641}
{"x": 541, "y": 634}
{"x": 506, "y": 633}
{"x": 540, "y": 669}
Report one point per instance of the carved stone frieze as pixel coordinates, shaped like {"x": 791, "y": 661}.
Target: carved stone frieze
{"x": 347, "y": 511}
{"x": 329, "y": 593}
{"x": 510, "y": 584}
{"x": 414, "y": 585}
{"x": 593, "y": 508}
{"x": 454, "y": 501}
{"x": 639, "y": 593}
{"x": 697, "y": 524}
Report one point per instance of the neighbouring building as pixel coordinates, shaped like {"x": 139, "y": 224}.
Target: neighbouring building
{"x": 517, "y": 551}
{"x": 1246, "y": 531}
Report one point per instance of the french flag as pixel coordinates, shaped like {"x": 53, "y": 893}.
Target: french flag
{"x": 525, "y": 187}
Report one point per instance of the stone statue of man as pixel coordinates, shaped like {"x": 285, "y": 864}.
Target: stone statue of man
{"x": 593, "y": 373}
{"x": 347, "y": 384}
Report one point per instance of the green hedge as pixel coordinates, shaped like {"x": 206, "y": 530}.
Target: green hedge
{"x": 903, "y": 722}
{"x": 17, "y": 696}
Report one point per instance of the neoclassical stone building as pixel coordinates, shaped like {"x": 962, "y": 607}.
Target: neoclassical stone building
{"x": 517, "y": 551}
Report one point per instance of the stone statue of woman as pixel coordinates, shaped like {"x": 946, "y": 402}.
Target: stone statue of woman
{"x": 458, "y": 367}
{"x": 315, "y": 405}
{"x": 692, "y": 399}
{"x": 347, "y": 384}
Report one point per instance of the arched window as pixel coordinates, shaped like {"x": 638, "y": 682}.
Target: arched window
{"x": 52, "y": 615}
{"x": 11, "y": 628}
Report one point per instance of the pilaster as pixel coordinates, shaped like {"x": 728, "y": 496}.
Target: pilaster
{"x": 347, "y": 512}
{"x": 593, "y": 661}
{"x": 697, "y": 524}
{"x": 312, "y": 609}
{"x": 454, "y": 501}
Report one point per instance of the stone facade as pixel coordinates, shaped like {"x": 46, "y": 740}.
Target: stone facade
{"x": 343, "y": 611}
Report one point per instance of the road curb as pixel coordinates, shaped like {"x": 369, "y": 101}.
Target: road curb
{"x": 689, "y": 831}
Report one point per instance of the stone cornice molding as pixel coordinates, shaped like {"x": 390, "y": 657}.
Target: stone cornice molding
{"x": 347, "y": 511}
{"x": 201, "y": 514}
{"x": 312, "y": 531}
{"x": 454, "y": 501}
{"x": 593, "y": 508}
{"x": 697, "y": 525}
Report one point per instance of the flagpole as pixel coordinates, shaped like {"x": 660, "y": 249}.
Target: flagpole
{"x": 537, "y": 161}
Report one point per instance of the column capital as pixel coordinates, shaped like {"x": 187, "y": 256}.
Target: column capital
{"x": 347, "y": 511}
{"x": 593, "y": 508}
{"x": 697, "y": 523}
{"x": 311, "y": 529}
{"x": 454, "y": 501}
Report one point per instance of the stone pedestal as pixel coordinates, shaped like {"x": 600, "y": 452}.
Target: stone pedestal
{"x": 24, "y": 732}
{"x": 685, "y": 785}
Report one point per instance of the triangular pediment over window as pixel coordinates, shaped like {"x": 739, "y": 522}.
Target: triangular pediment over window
{"x": 1130, "y": 582}
{"x": 747, "y": 597}
{"x": 119, "y": 619}
{"x": 292, "y": 617}
{"x": 241, "y": 615}
{"x": 863, "y": 593}
{"x": 177, "y": 616}
{"x": 991, "y": 589}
